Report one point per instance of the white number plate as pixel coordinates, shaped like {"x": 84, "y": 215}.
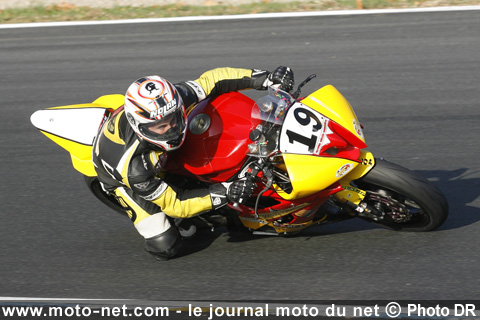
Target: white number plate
{"x": 304, "y": 131}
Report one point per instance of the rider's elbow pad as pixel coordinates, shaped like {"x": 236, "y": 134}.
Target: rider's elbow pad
{"x": 258, "y": 78}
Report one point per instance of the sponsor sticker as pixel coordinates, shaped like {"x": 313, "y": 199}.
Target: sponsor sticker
{"x": 344, "y": 170}
{"x": 358, "y": 128}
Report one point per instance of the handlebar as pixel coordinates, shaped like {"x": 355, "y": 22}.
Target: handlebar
{"x": 297, "y": 92}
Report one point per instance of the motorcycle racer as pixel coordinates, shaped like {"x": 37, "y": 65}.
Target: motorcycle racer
{"x": 133, "y": 145}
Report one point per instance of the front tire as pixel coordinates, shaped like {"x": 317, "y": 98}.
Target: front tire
{"x": 408, "y": 201}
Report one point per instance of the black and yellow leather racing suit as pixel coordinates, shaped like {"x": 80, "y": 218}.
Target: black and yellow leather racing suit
{"x": 127, "y": 167}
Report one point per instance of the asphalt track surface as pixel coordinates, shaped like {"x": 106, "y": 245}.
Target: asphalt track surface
{"x": 413, "y": 79}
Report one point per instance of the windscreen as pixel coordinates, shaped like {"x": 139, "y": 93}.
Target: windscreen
{"x": 270, "y": 110}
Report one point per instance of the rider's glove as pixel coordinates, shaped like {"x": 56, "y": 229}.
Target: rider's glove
{"x": 282, "y": 76}
{"x": 240, "y": 190}
{"x": 237, "y": 192}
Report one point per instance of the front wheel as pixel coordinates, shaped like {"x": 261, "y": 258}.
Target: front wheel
{"x": 402, "y": 199}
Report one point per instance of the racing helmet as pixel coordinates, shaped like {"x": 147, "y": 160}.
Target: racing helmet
{"x": 156, "y": 112}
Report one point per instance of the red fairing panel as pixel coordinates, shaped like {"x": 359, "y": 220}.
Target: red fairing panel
{"x": 218, "y": 153}
{"x": 347, "y": 145}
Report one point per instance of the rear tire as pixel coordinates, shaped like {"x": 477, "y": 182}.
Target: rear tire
{"x": 423, "y": 207}
{"x": 206, "y": 221}
{"x": 95, "y": 187}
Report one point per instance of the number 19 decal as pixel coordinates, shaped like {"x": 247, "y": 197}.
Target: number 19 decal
{"x": 298, "y": 130}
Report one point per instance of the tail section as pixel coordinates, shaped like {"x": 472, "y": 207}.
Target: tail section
{"x": 75, "y": 127}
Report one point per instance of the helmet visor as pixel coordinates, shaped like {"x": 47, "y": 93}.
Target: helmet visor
{"x": 166, "y": 129}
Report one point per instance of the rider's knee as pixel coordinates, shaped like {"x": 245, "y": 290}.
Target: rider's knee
{"x": 165, "y": 245}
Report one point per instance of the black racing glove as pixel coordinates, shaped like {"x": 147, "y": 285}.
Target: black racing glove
{"x": 282, "y": 76}
{"x": 240, "y": 190}
{"x": 237, "y": 192}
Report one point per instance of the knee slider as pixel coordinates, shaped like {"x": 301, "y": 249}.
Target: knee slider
{"x": 165, "y": 245}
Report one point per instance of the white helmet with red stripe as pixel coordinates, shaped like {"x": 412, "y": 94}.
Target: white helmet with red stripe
{"x": 156, "y": 112}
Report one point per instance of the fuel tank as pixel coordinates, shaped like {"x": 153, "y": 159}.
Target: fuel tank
{"x": 217, "y": 138}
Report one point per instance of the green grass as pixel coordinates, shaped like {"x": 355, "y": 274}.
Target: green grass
{"x": 70, "y": 12}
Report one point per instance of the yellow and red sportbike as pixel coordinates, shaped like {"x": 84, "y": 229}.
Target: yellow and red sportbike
{"x": 307, "y": 157}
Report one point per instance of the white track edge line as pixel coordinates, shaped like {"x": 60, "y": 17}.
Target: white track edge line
{"x": 241, "y": 16}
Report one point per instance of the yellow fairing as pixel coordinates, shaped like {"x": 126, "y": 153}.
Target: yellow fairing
{"x": 351, "y": 193}
{"x": 332, "y": 104}
{"x": 81, "y": 153}
{"x": 309, "y": 174}
{"x": 111, "y": 101}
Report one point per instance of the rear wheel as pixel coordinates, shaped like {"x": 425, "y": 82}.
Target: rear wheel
{"x": 206, "y": 220}
{"x": 402, "y": 199}
{"x": 95, "y": 187}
